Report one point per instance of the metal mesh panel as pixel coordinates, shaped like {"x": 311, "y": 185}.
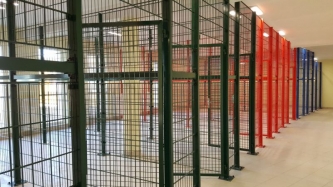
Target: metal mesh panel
{"x": 275, "y": 82}
{"x": 266, "y": 66}
{"x": 292, "y": 85}
{"x": 311, "y": 82}
{"x": 122, "y": 98}
{"x": 45, "y": 152}
{"x": 245, "y": 50}
{"x": 36, "y": 113}
{"x": 301, "y": 88}
{"x": 280, "y": 81}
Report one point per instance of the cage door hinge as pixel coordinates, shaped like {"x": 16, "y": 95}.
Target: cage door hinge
{"x": 71, "y": 17}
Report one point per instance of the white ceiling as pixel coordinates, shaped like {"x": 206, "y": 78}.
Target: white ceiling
{"x": 307, "y": 23}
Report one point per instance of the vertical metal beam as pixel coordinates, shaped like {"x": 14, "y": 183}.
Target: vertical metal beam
{"x": 252, "y": 91}
{"x": 295, "y": 86}
{"x": 297, "y": 54}
{"x": 195, "y": 93}
{"x": 313, "y": 82}
{"x": 270, "y": 86}
{"x": 13, "y": 91}
{"x": 41, "y": 48}
{"x": 236, "y": 165}
{"x": 283, "y": 81}
{"x": 98, "y": 94}
{"x": 167, "y": 11}
{"x": 161, "y": 105}
{"x": 308, "y": 82}
{"x": 320, "y": 84}
{"x": 288, "y": 82}
{"x": 103, "y": 94}
{"x": 260, "y": 83}
{"x": 303, "y": 53}
{"x": 316, "y": 86}
{"x": 151, "y": 104}
{"x": 77, "y": 98}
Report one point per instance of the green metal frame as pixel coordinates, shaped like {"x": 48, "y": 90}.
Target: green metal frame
{"x": 252, "y": 85}
{"x": 236, "y": 148}
{"x": 225, "y": 172}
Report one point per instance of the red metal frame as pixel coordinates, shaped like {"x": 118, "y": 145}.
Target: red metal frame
{"x": 294, "y": 85}
{"x": 270, "y": 86}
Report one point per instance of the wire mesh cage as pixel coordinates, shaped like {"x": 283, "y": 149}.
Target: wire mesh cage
{"x": 38, "y": 110}
{"x": 246, "y": 50}
{"x": 123, "y": 65}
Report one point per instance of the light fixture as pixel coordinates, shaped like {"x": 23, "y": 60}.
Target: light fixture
{"x": 315, "y": 58}
{"x": 257, "y": 10}
{"x": 266, "y": 35}
{"x": 233, "y": 13}
{"x": 16, "y": 3}
{"x": 114, "y": 33}
{"x": 282, "y": 33}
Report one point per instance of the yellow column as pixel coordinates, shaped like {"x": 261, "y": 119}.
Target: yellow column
{"x": 132, "y": 92}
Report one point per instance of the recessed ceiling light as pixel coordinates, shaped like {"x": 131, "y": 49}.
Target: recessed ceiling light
{"x": 282, "y": 33}
{"x": 266, "y": 35}
{"x": 16, "y": 4}
{"x": 233, "y": 13}
{"x": 257, "y": 10}
{"x": 315, "y": 58}
{"x": 114, "y": 33}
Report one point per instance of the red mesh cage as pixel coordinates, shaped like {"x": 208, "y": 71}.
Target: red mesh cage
{"x": 287, "y": 83}
{"x": 267, "y": 81}
{"x": 275, "y": 94}
{"x": 280, "y": 81}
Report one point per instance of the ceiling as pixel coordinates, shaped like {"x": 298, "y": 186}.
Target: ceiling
{"x": 307, "y": 23}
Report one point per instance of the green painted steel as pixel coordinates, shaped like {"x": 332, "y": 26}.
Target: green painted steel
{"x": 252, "y": 91}
{"x": 98, "y": 94}
{"x": 76, "y": 89}
{"x": 14, "y": 115}
{"x": 195, "y": 94}
{"x": 20, "y": 64}
{"x": 167, "y": 16}
{"x": 41, "y": 43}
{"x": 103, "y": 93}
{"x": 236, "y": 148}
{"x": 224, "y": 107}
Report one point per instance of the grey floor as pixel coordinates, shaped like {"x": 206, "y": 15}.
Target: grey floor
{"x": 300, "y": 156}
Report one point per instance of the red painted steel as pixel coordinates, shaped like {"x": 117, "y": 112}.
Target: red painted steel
{"x": 270, "y": 86}
{"x": 288, "y": 83}
{"x": 294, "y": 84}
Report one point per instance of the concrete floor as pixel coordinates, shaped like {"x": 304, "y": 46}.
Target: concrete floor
{"x": 300, "y": 156}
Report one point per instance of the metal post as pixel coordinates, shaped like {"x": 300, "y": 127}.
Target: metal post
{"x": 308, "y": 82}
{"x": 270, "y": 86}
{"x": 77, "y": 95}
{"x": 320, "y": 84}
{"x": 236, "y": 129}
{"x": 103, "y": 94}
{"x": 98, "y": 94}
{"x": 41, "y": 43}
{"x": 252, "y": 91}
{"x": 151, "y": 104}
{"x": 297, "y": 54}
{"x": 304, "y": 77}
{"x": 195, "y": 93}
{"x": 13, "y": 91}
{"x": 167, "y": 17}
{"x": 316, "y": 86}
{"x": 295, "y": 86}
{"x": 313, "y": 82}
{"x": 283, "y": 82}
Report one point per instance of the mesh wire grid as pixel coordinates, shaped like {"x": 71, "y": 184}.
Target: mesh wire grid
{"x": 245, "y": 52}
